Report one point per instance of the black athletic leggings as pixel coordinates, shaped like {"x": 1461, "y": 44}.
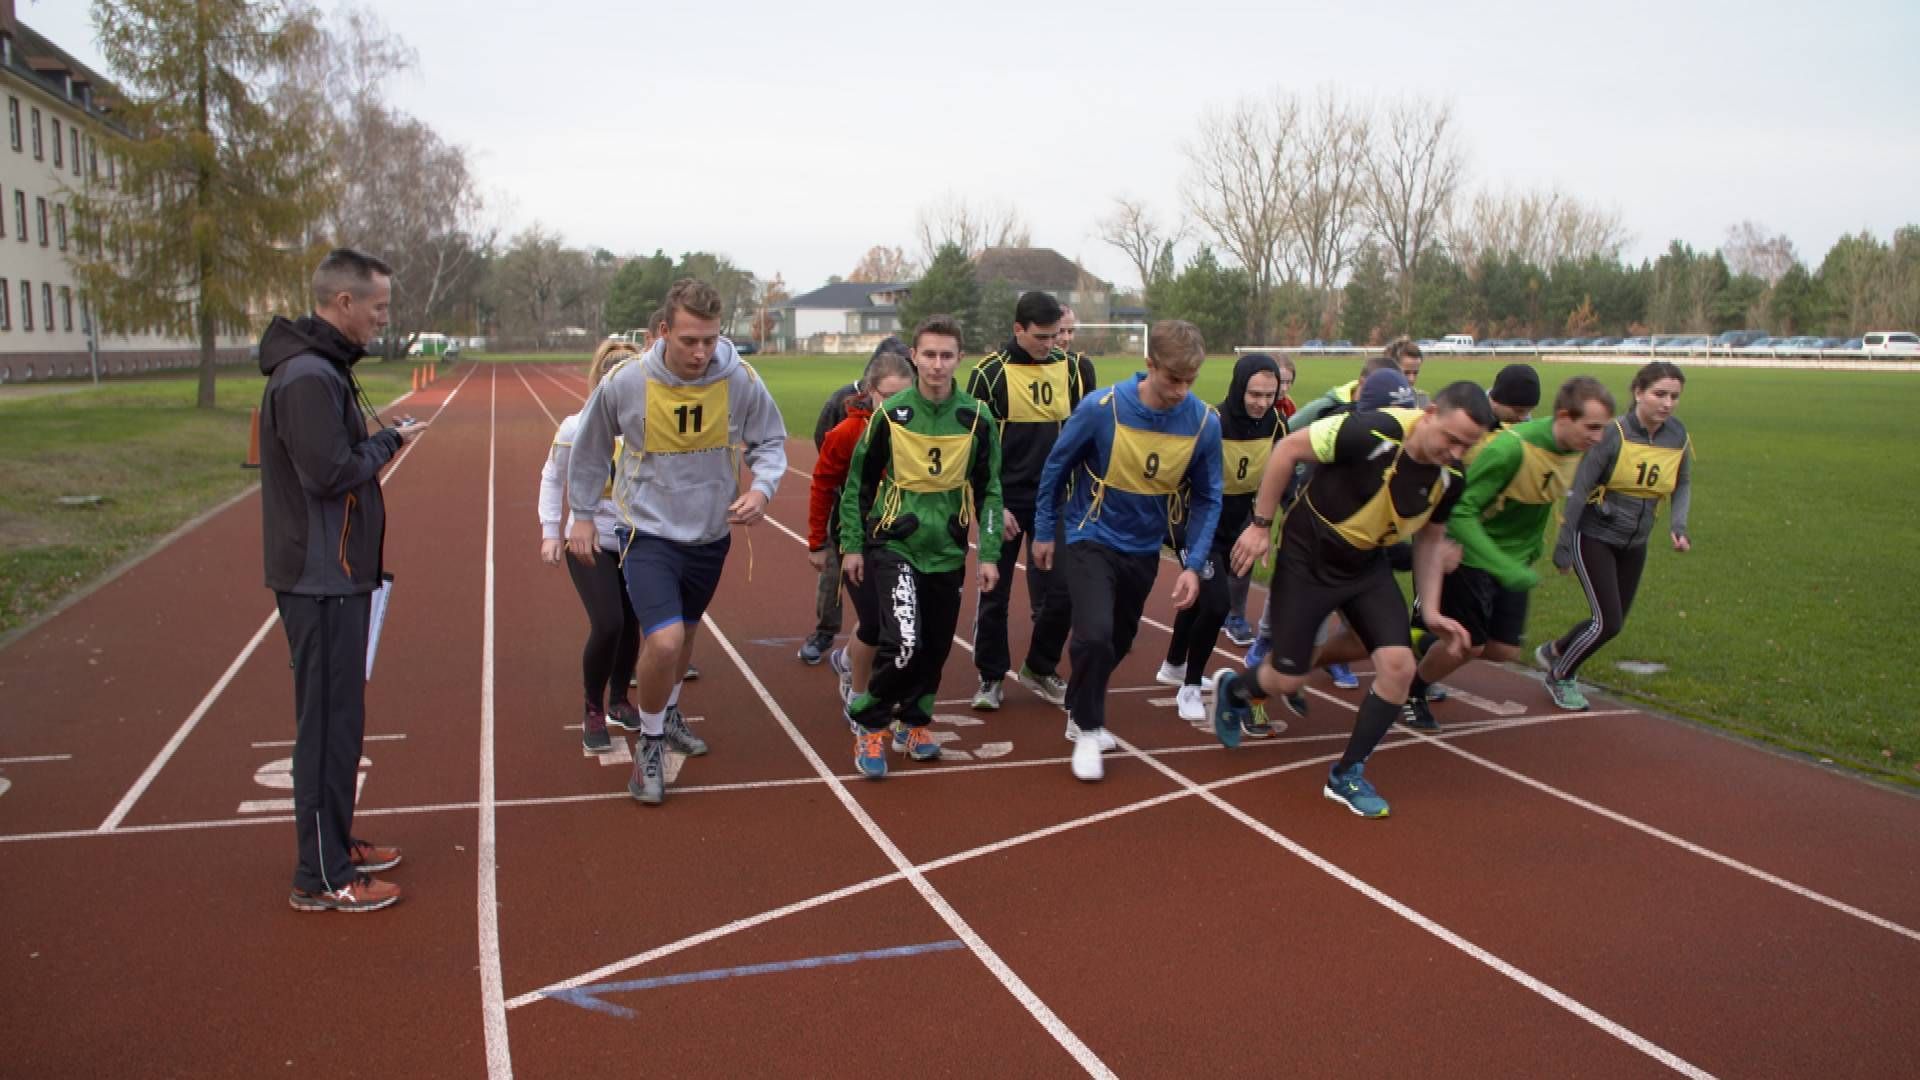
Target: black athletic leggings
{"x": 1610, "y": 575}
{"x": 613, "y": 634}
{"x": 1197, "y": 627}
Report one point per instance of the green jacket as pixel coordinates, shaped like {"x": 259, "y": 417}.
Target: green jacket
{"x": 909, "y": 447}
{"x": 1515, "y": 481}
{"x": 1317, "y": 408}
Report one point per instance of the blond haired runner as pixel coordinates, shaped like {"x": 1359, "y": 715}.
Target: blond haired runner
{"x": 679, "y": 411}
{"x": 1127, "y": 449}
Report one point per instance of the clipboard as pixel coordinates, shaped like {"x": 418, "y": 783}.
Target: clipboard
{"x": 376, "y": 618}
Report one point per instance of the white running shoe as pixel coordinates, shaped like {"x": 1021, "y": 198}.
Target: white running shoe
{"x": 1193, "y": 708}
{"x": 1087, "y": 763}
{"x": 1105, "y": 738}
{"x": 1169, "y": 675}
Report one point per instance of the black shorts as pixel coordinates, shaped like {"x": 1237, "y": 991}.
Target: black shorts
{"x": 1297, "y": 604}
{"x": 1476, "y": 600}
{"x": 866, "y": 606}
{"x": 670, "y": 582}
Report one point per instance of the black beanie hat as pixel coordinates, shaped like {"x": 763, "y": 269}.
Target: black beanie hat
{"x": 1517, "y": 385}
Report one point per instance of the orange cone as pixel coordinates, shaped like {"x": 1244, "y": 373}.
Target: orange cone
{"x": 416, "y": 380}
{"x": 253, "y": 444}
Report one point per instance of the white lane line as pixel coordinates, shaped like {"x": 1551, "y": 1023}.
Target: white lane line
{"x": 1021, "y": 992}
{"x": 159, "y": 762}
{"x": 1688, "y": 846}
{"x": 1592, "y": 1016}
{"x": 563, "y": 386}
{"x": 492, "y": 988}
{"x": 957, "y": 858}
{"x": 289, "y": 742}
{"x": 536, "y": 396}
{"x": 37, "y": 758}
{"x": 139, "y": 788}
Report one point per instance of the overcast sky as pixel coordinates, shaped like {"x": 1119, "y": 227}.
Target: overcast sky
{"x": 792, "y": 137}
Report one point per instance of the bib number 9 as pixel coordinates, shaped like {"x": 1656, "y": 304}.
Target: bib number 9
{"x": 1152, "y": 466}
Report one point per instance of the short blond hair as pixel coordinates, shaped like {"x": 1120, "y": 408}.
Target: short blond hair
{"x": 604, "y": 358}
{"x": 1176, "y": 345}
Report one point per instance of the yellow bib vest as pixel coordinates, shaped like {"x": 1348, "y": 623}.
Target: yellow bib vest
{"x": 927, "y": 464}
{"x": 1143, "y": 463}
{"x": 1378, "y": 524}
{"x": 1242, "y": 462}
{"x": 686, "y": 419}
{"x": 1037, "y": 392}
{"x": 1543, "y": 477}
{"x": 1642, "y": 471}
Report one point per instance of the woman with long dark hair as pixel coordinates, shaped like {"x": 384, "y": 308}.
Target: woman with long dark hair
{"x": 1644, "y": 459}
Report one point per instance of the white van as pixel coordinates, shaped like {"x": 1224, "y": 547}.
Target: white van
{"x": 428, "y": 344}
{"x": 1890, "y": 343}
{"x": 1453, "y": 343}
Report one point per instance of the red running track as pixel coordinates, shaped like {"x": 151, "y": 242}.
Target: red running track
{"x": 1608, "y": 894}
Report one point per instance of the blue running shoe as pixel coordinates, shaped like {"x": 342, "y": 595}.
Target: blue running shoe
{"x": 1258, "y": 654}
{"x": 870, "y": 753}
{"x": 1227, "y": 717}
{"x": 917, "y": 743}
{"x": 1238, "y": 631}
{"x": 1343, "y": 677}
{"x": 1350, "y": 786}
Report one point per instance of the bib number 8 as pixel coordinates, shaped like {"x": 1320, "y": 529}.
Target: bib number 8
{"x": 1241, "y": 474}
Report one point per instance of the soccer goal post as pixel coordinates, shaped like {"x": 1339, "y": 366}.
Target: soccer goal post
{"x": 1111, "y": 338}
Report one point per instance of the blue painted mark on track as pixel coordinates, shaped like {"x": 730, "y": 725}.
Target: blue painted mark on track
{"x": 588, "y": 997}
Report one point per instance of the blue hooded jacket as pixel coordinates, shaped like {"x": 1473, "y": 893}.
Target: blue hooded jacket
{"x": 1127, "y": 522}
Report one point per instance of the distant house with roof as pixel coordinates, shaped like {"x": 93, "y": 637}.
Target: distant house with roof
{"x": 847, "y": 317}
{"x": 1046, "y": 270}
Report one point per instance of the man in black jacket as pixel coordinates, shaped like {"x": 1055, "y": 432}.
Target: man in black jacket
{"x": 324, "y": 524}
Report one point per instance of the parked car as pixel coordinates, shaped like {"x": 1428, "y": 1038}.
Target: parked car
{"x": 1313, "y": 343}
{"x": 1852, "y": 343}
{"x": 745, "y": 347}
{"x": 1635, "y": 344}
{"x": 1549, "y": 343}
{"x": 1520, "y": 343}
{"x": 1602, "y": 342}
{"x": 1341, "y": 343}
{"x": 1452, "y": 343}
{"x": 1832, "y": 342}
{"x": 1890, "y": 343}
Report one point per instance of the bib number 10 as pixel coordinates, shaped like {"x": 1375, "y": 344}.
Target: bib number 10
{"x": 689, "y": 417}
{"x": 1042, "y": 393}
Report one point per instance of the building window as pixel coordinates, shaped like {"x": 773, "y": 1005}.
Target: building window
{"x": 39, "y": 149}
{"x": 26, "y": 305}
{"x": 60, "y": 226}
{"x": 6, "y": 306}
{"x": 20, "y": 214}
{"x": 40, "y": 206}
{"x": 59, "y": 155}
{"x": 3, "y": 213}
{"x": 93, "y": 159}
{"x": 73, "y": 144}
{"x": 13, "y": 121}
{"x": 66, "y": 308}
{"x": 46, "y": 304}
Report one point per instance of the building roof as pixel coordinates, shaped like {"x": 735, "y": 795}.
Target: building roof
{"x": 39, "y": 60}
{"x": 844, "y": 296}
{"x": 1033, "y": 268}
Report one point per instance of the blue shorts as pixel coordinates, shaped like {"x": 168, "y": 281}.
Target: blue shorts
{"x": 670, "y": 582}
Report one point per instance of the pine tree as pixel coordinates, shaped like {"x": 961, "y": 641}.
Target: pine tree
{"x": 223, "y": 170}
{"x": 947, "y": 288}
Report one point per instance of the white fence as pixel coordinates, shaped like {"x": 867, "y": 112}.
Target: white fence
{"x": 1700, "y": 355}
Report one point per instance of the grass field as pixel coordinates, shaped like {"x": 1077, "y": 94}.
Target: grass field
{"x": 153, "y": 458}
{"x": 1787, "y": 622}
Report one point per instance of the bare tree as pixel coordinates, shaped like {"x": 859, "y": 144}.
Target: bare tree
{"x": 1131, "y": 228}
{"x": 1236, "y": 189}
{"x": 971, "y": 227}
{"x": 1412, "y": 173}
{"x": 1750, "y": 250}
{"x": 1325, "y": 189}
{"x": 1540, "y": 226}
{"x": 884, "y": 265}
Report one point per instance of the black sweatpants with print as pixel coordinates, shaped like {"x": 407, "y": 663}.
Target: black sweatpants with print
{"x": 1109, "y": 591}
{"x": 918, "y": 612}
{"x": 328, "y": 635}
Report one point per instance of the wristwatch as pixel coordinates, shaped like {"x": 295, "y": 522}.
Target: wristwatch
{"x": 1259, "y": 522}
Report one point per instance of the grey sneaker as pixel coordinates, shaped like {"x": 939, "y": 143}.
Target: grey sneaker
{"x": 680, "y": 738}
{"x": 1543, "y": 656}
{"x": 1051, "y": 688}
{"x": 649, "y": 781}
{"x": 814, "y": 649}
{"x": 623, "y": 715}
{"x": 1566, "y": 694}
{"x": 987, "y": 698}
{"x": 593, "y": 731}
